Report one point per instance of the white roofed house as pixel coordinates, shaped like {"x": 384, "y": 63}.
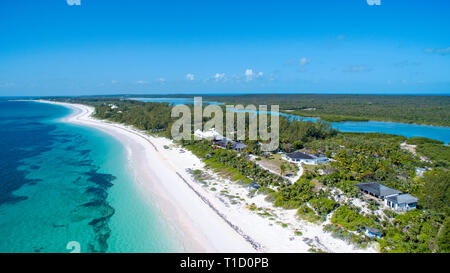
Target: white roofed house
{"x": 209, "y": 134}
{"x": 113, "y": 106}
{"x": 305, "y": 158}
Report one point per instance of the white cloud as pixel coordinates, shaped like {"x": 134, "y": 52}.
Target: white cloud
{"x": 304, "y": 61}
{"x": 113, "y": 81}
{"x": 190, "y": 77}
{"x": 162, "y": 80}
{"x": 141, "y": 82}
{"x": 73, "y": 2}
{"x": 219, "y": 76}
{"x": 249, "y": 74}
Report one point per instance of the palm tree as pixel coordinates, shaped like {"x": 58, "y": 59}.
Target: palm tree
{"x": 282, "y": 169}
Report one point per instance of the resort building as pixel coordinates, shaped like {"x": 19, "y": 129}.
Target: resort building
{"x": 392, "y": 198}
{"x": 402, "y": 202}
{"x": 305, "y": 158}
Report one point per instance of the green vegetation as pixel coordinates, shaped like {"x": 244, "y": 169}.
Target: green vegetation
{"x": 367, "y": 157}
{"x": 152, "y": 117}
{"x": 308, "y": 214}
{"x": 439, "y": 154}
{"x": 343, "y": 234}
{"x": 350, "y": 218}
{"x": 432, "y": 110}
{"x": 423, "y": 140}
{"x": 275, "y": 163}
{"x": 435, "y": 192}
{"x": 231, "y": 164}
{"x": 416, "y": 232}
{"x": 295, "y": 195}
{"x": 323, "y": 206}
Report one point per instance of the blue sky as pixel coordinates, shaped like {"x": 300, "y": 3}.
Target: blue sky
{"x": 48, "y": 47}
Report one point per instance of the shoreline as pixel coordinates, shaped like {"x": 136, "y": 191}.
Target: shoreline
{"x": 206, "y": 219}
{"x": 175, "y": 200}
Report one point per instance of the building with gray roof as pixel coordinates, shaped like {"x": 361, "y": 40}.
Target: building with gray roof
{"x": 392, "y": 198}
{"x": 402, "y": 202}
{"x": 377, "y": 190}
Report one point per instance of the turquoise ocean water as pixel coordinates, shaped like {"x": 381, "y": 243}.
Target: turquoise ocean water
{"x": 61, "y": 182}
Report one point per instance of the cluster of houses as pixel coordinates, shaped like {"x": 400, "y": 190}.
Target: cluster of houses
{"x": 392, "y": 198}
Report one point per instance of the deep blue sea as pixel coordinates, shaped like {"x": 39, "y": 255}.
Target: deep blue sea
{"x": 61, "y": 183}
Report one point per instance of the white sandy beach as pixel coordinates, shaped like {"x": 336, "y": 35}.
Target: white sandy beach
{"x": 207, "y": 218}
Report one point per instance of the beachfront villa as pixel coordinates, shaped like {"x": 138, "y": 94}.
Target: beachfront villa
{"x": 235, "y": 145}
{"x": 402, "y": 202}
{"x": 305, "y": 158}
{"x": 392, "y": 198}
{"x": 209, "y": 134}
